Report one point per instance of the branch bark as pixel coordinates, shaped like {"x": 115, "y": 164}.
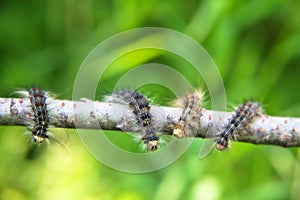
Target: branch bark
{"x": 87, "y": 114}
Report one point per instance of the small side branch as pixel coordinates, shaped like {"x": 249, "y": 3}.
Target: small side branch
{"x": 281, "y": 131}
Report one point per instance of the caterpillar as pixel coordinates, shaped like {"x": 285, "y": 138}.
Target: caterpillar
{"x": 244, "y": 115}
{"x": 38, "y": 118}
{"x": 141, "y": 109}
{"x": 140, "y": 106}
{"x": 187, "y": 124}
{"x": 39, "y": 115}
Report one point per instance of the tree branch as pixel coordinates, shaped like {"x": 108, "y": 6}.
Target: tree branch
{"x": 281, "y": 131}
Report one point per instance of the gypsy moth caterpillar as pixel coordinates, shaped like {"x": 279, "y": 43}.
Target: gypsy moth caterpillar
{"x": 140, "y": 107}
{"x": 187, "y": 124}
{"x": 38, "y": 118}
{"x": 40, "y": 115}
{"x": 244, "y": 115}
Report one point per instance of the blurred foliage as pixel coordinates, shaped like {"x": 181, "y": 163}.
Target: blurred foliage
{"x": 255, "y": 45}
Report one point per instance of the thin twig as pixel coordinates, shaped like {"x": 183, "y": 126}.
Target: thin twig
{"x": 281, "y": 131}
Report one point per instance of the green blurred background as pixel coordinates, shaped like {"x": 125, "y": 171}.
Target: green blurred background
{"x": 255, "y": 44}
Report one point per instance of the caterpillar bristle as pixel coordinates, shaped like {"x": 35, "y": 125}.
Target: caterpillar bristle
{"x": 119, "y": 96}
{"x": 244, "y": 115}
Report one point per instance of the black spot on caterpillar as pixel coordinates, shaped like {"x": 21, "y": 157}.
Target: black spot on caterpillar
{"x": 244, "y": 115}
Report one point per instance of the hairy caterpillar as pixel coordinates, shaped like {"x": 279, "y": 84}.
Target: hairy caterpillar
{"x": 40, "y": 115}
{"x": 244, "y": 115}
{"x": 187, "y": 124}
{"x": 141, "y": 109}
{"x": 38, "y": 118}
